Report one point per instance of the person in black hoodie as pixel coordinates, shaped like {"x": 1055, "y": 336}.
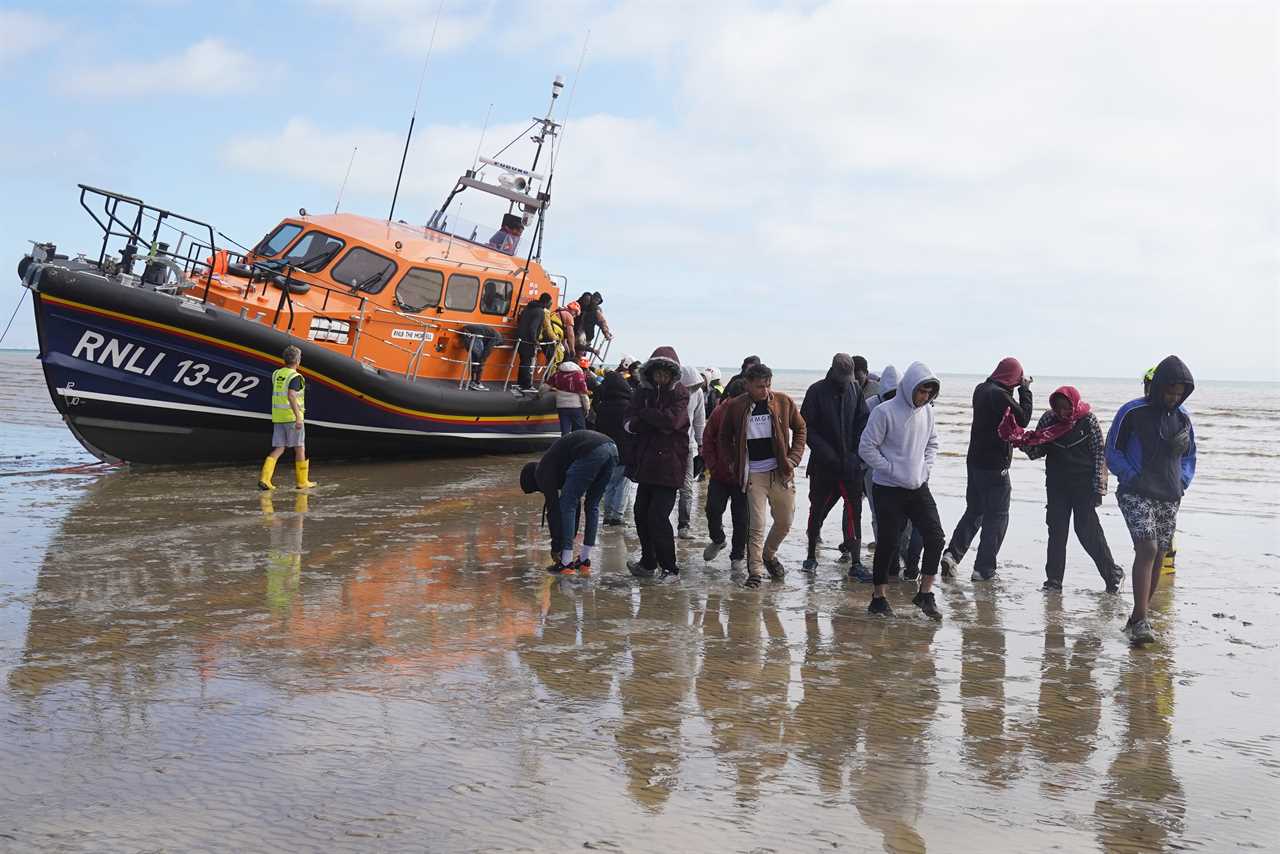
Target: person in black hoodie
{"x": 574, "y": 469}
{"x": 1151, "y": 449}
{"x": 609, "y": 405}
{"x": 835, "y": 414}
{"x": 987, "y": 493}
{"x": 657, "y": 453}
{"x": 528, "y": 331}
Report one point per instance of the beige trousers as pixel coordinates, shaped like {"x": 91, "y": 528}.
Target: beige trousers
{"x": 768, "y": 493}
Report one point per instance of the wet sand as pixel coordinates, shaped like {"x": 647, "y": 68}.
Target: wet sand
{"x": 383, "y": 665}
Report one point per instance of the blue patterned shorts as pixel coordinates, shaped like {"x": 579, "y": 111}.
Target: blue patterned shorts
{"x": 1149, "y": 519}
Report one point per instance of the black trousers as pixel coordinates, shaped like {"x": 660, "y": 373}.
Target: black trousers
{"x": 986, "y": 507}
{"x": 720, "y": 494}
{"x": 653, "y": 525}
{"x": 895, "y": 507}
{"x": 528, "y": 353}
{"x": 1078, "y": 500}
{"x": 824, "y": 493}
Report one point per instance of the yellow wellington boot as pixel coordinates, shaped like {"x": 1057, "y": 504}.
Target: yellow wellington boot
{"x": 300, "y": 469}
{"x": 268, "y": 469}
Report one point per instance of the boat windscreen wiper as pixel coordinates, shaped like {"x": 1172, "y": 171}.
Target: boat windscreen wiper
{"x": 369, "y": 281}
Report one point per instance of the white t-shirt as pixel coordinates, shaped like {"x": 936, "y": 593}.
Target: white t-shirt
{"x": 760, "y": 453}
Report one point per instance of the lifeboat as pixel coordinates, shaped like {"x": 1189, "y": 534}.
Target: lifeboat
{"x": 159, "y": 347}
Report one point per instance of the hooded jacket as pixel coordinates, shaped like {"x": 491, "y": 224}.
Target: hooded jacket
{"x": 1076, "y": 457}
{"x": 990, "y": 400}
{"x": 657, "y": 423}
{"x": 888, "y": 388}
{"x": 570, "y": 384}
{"x": 834, "y": 415}
{"x": 788, "y": 435}
{"x": 692, "y": 380}
{"x": 1151, "y": 449}
{"x": 610, "y": 405}
{"x": 900, "y": 441}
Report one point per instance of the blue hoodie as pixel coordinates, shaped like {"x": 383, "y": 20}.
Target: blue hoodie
{"x": 1151, "y": 449}
{"x": 900, "y": 442}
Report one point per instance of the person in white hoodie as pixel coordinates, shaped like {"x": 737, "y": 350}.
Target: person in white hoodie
{"x": 691, "y": 379}
{"x": 900, "y": 444}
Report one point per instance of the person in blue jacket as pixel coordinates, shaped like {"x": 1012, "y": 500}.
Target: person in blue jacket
{"x": 1151, "y": 449}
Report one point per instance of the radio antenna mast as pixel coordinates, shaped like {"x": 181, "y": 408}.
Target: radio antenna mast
{"x": 414, "y": 116}
{"x": 343, "y": 188}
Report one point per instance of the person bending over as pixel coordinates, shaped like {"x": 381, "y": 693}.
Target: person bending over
{"x": 576, "y": 468}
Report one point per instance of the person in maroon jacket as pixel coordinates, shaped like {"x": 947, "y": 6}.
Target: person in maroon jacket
{"x": 722, "y": 489}
{"x": 657, "y": 422}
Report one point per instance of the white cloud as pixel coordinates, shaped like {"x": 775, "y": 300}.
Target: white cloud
{"x": 24, "y": 34}
{"x": 407, "y": 25}
{"x": 1108, "y": 169}
{"x": 208, "y": 67}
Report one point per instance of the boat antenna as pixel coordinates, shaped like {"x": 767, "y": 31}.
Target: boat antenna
{"x": 236, "y": 242}
{"x": 480, "y": 144}
{"x": 343, "y": 188}
{"x": 413, "y": 117}
{"x": 559, "y": 142}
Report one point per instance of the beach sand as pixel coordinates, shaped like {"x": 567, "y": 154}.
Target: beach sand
{"x": 383, "y": 665}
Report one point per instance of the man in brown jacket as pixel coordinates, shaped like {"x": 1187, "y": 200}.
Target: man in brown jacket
{"x": 762, "y": 438}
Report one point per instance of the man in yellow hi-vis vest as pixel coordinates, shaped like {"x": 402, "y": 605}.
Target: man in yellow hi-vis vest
{"x": 288, "y": 405}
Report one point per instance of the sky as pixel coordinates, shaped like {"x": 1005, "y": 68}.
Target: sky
{"x": 1086, "y": 186}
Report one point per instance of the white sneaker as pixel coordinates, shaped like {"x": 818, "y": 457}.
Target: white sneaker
{"x": 948, "y": 565}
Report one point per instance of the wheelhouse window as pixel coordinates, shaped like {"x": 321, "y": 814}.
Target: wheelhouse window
{"x": 496, "y": 298}
{"x": 363, "y": 270}
{"x": 462, "y": 293}
{"x": 419, "y": 289}
{"x": 313, "y": 252}
{"x": 275, "y": 242}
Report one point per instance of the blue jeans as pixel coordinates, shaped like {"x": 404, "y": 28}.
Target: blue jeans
{"x": 587, "y": 476}
{"x": 616, "y": 494}
{"x": 571, "y": 420}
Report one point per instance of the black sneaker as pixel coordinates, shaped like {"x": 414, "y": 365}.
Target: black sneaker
{"x": 713, "y": 548}
{"x": 582, "y": 567}
{"x": 639, "y": 570}
{"x": 911, "y": 573}
{"x": 752, "y": 582}
{"x": 810, "y": 565}
{"x": 880, "y": 607}
{"x": 924, "y": 601}
{"x": 1117, "y": 578}
{"x": 675, "y": 570}
{"x": 776, "y": 570}
{"x": 613, "y": 520}
{"x": 1051, "y": 585}
{"x": 858, "y": 572}
{"x": 558, "y": 568}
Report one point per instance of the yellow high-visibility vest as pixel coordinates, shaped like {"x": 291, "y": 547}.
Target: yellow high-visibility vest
{"x": 281, "y": 411}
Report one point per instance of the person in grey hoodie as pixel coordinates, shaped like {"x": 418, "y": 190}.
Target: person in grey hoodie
{"x": 900, "y": 444}
{"x": 691, "y": 379}
{"x": 910, "y": 544}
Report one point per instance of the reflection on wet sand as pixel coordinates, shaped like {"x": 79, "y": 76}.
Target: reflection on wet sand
{"x": 988, "y": 749}
{"x": 742, "y": 688}
{"x": 1143, "y": 804}
{"x": 419, "y": 649}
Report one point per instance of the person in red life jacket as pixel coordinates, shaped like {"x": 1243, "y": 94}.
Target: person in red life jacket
{"x": 657, "y": 453}
{"x": 987, "y": 492}
{"x": 723, "y": 490}
{"x": 570, "y": 386}
{"x": 1069, "y": 439}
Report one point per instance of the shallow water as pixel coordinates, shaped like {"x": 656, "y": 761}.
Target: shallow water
{"x": 382, "y": 665}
